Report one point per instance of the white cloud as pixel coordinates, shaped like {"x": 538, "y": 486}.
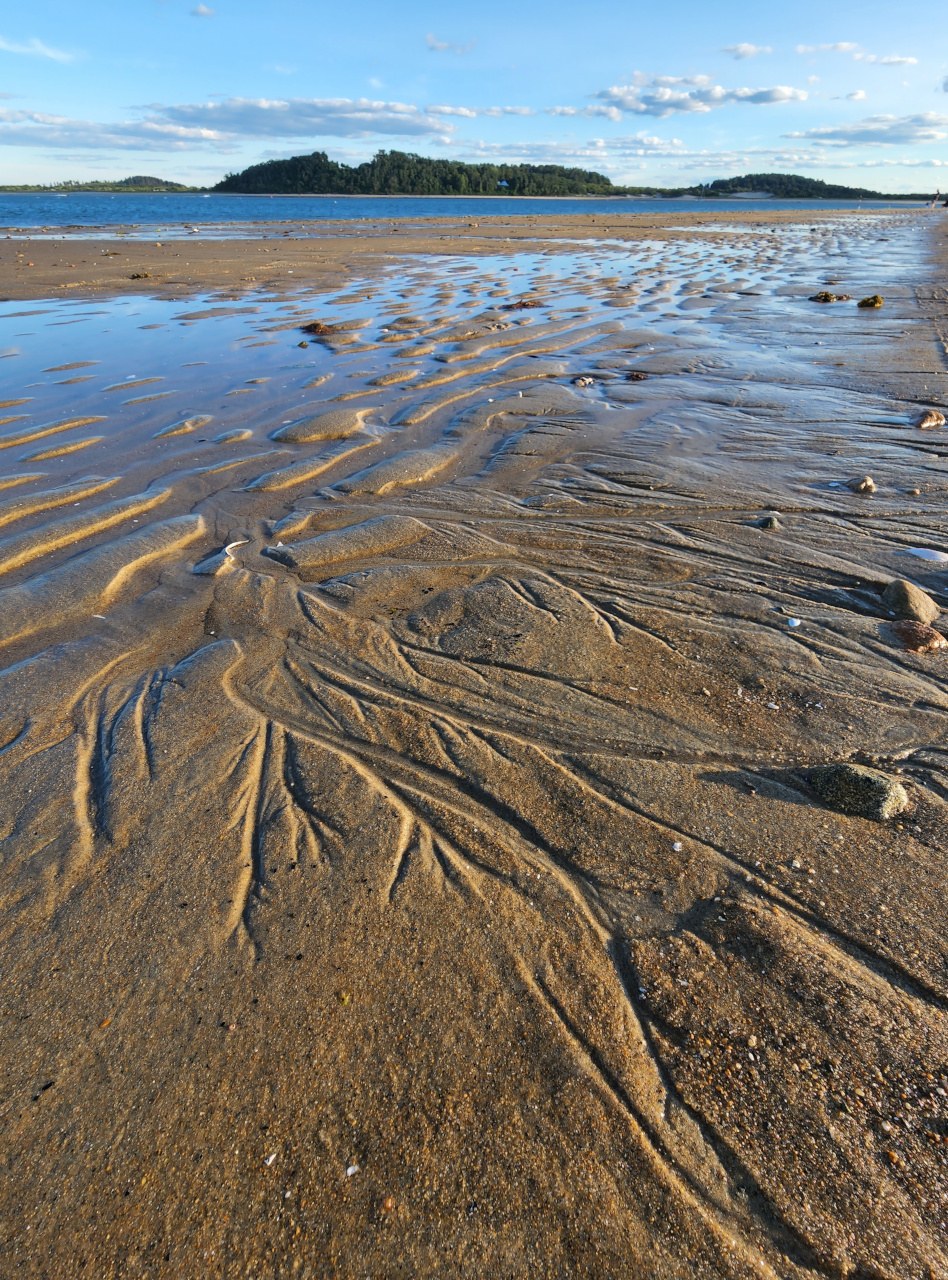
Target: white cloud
{"x": 858, "y": 54}
{"x": 842, "y": 46}
{"x": 857, "y": 95}
{"x": 220, "y": 125}
{"x": 36, "y": 48}
{"x": 886, "y": 62}
{"x": 471, "y": 113}
{"x": 882, "y": 131}
{"x": 740, "y": 51}
{"x": 305, "y": 117}
{"x": 672, "y": 95}
{"x": 445, "y": 46}
{"x": 202, "y": 11}
{"x": 36, "y": 128}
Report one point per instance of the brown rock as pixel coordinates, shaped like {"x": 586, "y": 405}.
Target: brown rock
{"x": 852, "y": 788}
{"x": 905, "y": 600}
{"x": 918, "y": 638}
{"x": 874, "y": 300}
{"x": 930, "y": 418}
{"x": 862, "y": 484}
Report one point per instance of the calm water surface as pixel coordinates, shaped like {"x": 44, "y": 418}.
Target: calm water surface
{"x": 105, "y": 209}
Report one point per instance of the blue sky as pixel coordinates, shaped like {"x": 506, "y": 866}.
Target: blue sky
{"x": 671, "y": 93}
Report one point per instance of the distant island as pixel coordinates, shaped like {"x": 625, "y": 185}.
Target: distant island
{"x": 400, "y": 173}
{"x": 140, "y": 183}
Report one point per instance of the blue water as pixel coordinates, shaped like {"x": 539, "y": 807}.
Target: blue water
{"x": 104, "y": 209}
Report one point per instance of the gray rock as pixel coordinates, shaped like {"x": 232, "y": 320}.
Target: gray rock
{"x": 852, "y": 788}
{"x": 905, "y": 600}
{"x": 768, "y": 522}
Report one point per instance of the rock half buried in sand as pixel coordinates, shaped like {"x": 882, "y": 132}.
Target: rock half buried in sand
{"x": 768, "y": 522}
{"x": 905, "y": 600}
{"x": 384, "y": 533}
{"x": 866, "y": 793}
{"x": 862, "y": 484}
{"x": 918, "y": 638}
{"x": 930, "y": 418}
{"x": 336, "y": 424}
{"x": 874, "y": 300}
{"x": 824, "y": 296}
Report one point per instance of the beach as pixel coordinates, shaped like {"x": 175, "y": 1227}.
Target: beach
{"x": 421, "y": 645}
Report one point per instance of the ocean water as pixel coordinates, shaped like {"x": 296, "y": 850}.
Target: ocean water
{"x": 107, "y": 209}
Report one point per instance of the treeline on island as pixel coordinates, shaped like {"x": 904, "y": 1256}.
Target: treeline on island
{"x": 140, "y": 183}
{"x": 391, "y": 173}
{"x": 791, "y": 186}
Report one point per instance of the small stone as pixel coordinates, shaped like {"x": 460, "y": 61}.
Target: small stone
{"x": 918, "y": 638}
{"x": 930, "y": 418}
{"x": 874, "y": 300}
{"x": 866, "y": 793}
{"x": 768, "y": 522}
{"x": 824, "y": 296}
{"x": 582, "y": 382}
{"x": 905, "y": 600}
{"x": 861, "y": 484}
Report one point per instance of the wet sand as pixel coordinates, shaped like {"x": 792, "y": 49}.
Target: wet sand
{"x": 414, "y": 862}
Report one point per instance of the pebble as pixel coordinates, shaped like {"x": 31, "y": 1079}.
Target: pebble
{"x": 825, "y": 296}
{"x": 905, "y": 600}
{"x": 852, "y": 788}
{"x": 861, "y": 484}
{"x": 768, "y": 522}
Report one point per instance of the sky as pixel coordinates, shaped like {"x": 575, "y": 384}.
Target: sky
{"x": 668, "y": 93}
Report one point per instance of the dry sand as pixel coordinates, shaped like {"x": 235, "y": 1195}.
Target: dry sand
{"x": 433, "y": 883}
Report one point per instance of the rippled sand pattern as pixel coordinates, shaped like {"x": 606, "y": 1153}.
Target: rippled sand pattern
{"x": 409, "y": 865}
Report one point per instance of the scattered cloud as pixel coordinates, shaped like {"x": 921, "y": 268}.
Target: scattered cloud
{"x": 445, "y": 46}
{"x": 221, "y": 125}
{"x": 471, "y": 113}
{"x": 944, "y": 85}
{"x": 673, "y": 95}
{"x": 858, "y": 54}
{"x": 36, "y": 48}
{"x": 740, "y": 51}
{"x": 202, "y": 11}
{"x": 880, "y": 131}
{"x": 38, "y": 129}
{"x": 281, "y": 69}
{"x": 842, "y": 46}
{"x": 857, "y": 95}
